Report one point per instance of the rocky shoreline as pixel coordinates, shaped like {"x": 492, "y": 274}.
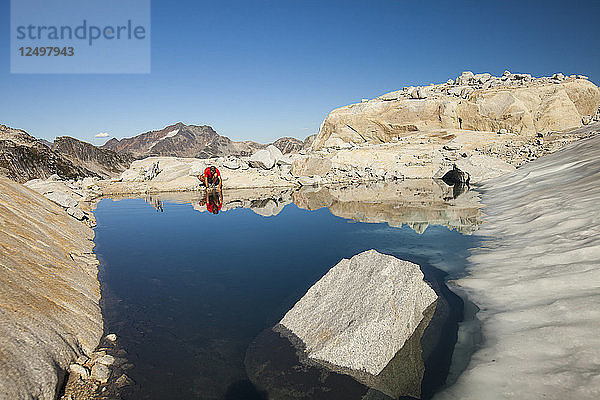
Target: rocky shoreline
{"x": 49, "y": 293}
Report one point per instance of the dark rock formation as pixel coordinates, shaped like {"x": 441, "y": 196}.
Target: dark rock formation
{"x": 309, "y": 141}
{"x": 456, "y": 176}
{"x": 45, "y": 142}
{"x": 288, "y": 145}
{"x": 23, "y": 157}
{"x": 104, "y": 162}
{"x": 182, "y": 140}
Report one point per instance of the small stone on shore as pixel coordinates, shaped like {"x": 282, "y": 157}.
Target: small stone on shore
{"x": 100, "y": 373}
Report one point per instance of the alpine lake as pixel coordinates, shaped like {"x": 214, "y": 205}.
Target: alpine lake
{"x": 193, "y": 296}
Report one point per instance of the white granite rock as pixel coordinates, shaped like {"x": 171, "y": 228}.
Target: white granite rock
{"x": 262, "y": 159}
{"x": 100, "y": 373}
{"x": 275, "y": 152}
{"x": 79, "y": 370}
{"x": 76, "y": 213}
{"x": 361, "y": 312}
{"x": 62, "y": 199}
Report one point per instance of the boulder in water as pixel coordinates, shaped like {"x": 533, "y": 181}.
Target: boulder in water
{"x": 361, "y": 312}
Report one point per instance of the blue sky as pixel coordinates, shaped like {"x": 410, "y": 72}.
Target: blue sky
{"x": 261, "y": 70}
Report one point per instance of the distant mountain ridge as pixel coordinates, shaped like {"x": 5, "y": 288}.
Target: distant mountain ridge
{"x": 103, "y": 162}
{"x": 23, "y": 157}
{"x": 197, "y": 141}
{"x": 180, "y": 140}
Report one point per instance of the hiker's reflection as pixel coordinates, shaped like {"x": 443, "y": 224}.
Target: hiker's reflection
{"x": 214, "y": 201}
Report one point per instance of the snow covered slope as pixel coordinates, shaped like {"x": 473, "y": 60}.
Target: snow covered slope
{"x": 537, "y": 282}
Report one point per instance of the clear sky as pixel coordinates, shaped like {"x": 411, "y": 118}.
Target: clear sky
{"x": 265, "y": 69}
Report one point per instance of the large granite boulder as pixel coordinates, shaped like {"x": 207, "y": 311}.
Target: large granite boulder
{"x": 262, "y": 159}
{"x": 311, "y": 165}
{"x": 361, "y": 312}
{"x": 514, "y": 102}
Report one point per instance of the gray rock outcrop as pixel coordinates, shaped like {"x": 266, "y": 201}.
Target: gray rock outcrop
{"x": 288, "y": 145}
{"x": 361, "y": 312}
{"x": 103, "y": 162}
{"x": 23, "y": 157}
{"x": 49, "y": 293}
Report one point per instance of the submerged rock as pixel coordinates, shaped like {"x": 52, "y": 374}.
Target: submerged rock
{"x": 361, "y": 312}
{"x": 275, "y": 364}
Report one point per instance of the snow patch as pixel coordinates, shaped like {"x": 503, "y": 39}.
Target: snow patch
{"x": 171, "y": 134}
{"x": 537, "y": 282}
{"x": 168, "y": 135}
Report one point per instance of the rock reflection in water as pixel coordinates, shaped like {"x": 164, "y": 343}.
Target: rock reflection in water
{"x": 155, "y": 202}
{"x": 416, "y": 203}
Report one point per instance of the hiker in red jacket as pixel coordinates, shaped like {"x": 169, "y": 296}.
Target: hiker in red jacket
{"x": 212, "y": 178}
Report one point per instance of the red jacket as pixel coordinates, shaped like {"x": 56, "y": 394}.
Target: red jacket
{"x": 208, "y": 175}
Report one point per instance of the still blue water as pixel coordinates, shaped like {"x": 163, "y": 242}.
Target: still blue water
{"x": 187, "y": 292}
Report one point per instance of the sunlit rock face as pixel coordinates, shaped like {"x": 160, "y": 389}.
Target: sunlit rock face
{"x": 511, "y": 104}
{"x": 361, "y": 312}
{"x": 49, "y": 293}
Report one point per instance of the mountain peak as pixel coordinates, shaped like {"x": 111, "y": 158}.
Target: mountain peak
{"x": 181, "y": 140}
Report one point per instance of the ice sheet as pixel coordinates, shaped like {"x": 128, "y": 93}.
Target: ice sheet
{"x": 537, "y": 282}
